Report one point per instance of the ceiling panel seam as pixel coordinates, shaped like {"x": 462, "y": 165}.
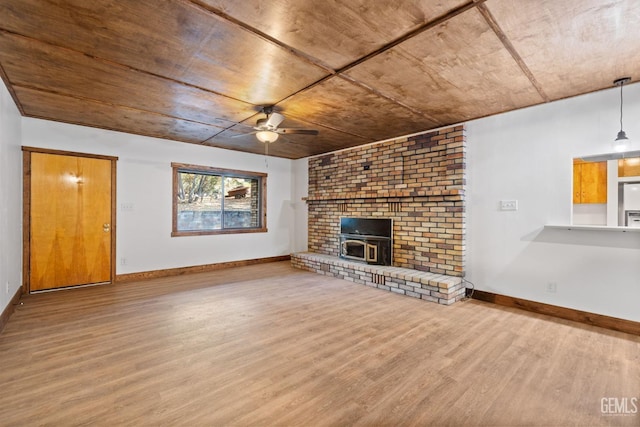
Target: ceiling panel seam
{"x": 382, "y": 95}
{"x": 491, "y": 21}
{"x": 426, "y": 26}
{"x": 220, "y": 14}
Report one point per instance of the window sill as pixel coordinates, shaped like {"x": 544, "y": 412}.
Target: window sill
{"x": 215, "y": 232}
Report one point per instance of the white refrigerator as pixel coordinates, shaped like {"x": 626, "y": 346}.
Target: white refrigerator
{"x": 631, "y": 198}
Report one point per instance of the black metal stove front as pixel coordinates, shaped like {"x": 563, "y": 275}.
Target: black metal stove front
{"x": 366, "y": 239}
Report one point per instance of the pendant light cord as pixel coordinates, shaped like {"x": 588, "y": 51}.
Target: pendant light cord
{"x": 621, "y": 84}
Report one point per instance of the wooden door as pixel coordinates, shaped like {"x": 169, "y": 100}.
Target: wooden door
{"x": 70, "y": 221}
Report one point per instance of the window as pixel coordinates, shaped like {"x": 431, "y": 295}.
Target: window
{"x": 215, "y": 201}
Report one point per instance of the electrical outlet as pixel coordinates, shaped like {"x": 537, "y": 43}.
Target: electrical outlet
{"x": 552, "y": 287}
{"x": 123, "y": 261}
{"x": 7, "y": 288}
{"x": 126, "y": 207}
{"x": 508, "y": 205}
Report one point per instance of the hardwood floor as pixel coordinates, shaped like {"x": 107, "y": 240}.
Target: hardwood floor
{"x": 271, "y": 345}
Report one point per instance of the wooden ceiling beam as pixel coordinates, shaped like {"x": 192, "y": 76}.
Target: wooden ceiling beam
{"x": 413, "y": 33}
{"x": 431, "y": 24}
{"x": 301, "y": 55}
{"x": 387, "y": 97}
{"x": 491, "y": 21}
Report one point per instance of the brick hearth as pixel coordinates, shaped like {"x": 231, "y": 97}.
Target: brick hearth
{"x": 432, "y": 287}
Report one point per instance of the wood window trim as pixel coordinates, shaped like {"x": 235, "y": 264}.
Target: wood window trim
{"x": 182, "y": 167}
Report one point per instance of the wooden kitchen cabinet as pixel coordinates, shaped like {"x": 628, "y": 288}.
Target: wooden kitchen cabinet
{"x": 629, "y": 167}
{"x": 589, "y": 182}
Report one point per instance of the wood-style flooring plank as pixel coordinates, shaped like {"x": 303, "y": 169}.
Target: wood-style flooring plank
{"x": 271, "y": 345}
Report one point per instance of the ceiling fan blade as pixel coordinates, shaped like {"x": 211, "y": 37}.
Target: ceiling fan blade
{"x": 274, "y": 120}
{"x": 243, "y": 134}
{"x": 291, "y": 131}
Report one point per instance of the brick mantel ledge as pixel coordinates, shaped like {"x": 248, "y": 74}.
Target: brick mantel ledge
{"x": 385, "y": 194}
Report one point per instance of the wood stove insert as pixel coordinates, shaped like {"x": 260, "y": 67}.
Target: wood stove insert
{"x": 367, "y": 240}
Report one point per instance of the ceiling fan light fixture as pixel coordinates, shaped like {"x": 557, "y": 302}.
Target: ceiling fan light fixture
{"x": 267, "y": 136}
{"x": 622, "y": 141}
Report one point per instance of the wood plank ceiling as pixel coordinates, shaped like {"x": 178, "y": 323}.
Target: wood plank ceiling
{"x": 359, "y": 71}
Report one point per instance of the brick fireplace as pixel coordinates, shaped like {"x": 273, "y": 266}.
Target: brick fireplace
{"x": 417, "y": 181}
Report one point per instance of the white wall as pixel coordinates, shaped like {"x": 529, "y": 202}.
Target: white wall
{"x": 527, "y": 155}
{"x": 592, "y": 213}
{"x": 301, "y": 213}
{"x": 144, "y": 179}
{"x": 10, "y": 199}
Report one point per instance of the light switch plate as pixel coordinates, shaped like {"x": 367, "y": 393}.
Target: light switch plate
{"x": 508, "y": 205}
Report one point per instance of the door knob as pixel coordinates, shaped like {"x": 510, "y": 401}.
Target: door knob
{"x": 106, "y": 227}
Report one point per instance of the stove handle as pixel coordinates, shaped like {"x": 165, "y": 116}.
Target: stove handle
{"x": 372, "y": 249}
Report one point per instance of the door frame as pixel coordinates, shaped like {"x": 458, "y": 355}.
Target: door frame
{"x": 26, "y": 208}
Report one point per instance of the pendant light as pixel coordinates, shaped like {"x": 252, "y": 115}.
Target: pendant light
{"x": 622, "y": 141}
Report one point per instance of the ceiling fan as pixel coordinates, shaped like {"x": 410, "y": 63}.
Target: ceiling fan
{"x": 267, "y": 130}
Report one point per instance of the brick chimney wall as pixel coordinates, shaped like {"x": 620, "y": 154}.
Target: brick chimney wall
{"x": 418, "y": 181}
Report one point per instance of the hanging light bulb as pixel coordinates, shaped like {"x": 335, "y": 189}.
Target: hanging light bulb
{"x": 621, "y": 142}
{"x": 267, "y": 136}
